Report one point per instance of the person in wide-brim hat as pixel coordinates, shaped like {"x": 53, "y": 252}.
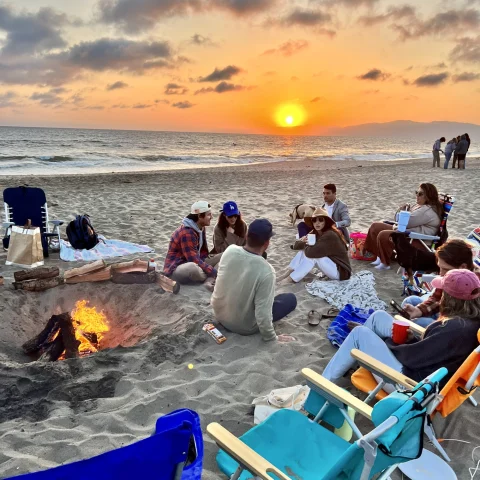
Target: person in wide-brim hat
{"x": 324, "y": 247}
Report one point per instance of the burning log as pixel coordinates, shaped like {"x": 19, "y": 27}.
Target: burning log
{"x": 91, "y": 267}
{"x": 167, "y": 284}
{"x": 132, "y": 266}
{"x": 96, "y": 276}
{"x": 57, "y": 337}
{"x": 133, "y": 277}
{"x": 36, "y": 273}
{"x": 38, "y": 285}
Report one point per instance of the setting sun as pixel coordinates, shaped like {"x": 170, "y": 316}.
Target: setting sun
{"x": 290, "y": 115}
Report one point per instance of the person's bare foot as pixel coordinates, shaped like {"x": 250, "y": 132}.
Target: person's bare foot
{"x": 286, "y": 281}
{"x": 209, "y": 284}
{"x": 283, "y": 275}
{"x": 351, "y": 325}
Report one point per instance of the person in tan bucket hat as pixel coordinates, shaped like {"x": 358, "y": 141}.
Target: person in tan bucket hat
{"x": 324, "y": 248}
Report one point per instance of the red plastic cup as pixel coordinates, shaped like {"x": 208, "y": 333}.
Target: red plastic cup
{"x": 400, "y": 331}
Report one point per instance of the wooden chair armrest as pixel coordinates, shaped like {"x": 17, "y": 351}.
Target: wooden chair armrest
{"x": 412, "y": 325}
{"x": 371, "y": 364}
{"x": 337, "y": 392}
{"x": 242, "y": 453}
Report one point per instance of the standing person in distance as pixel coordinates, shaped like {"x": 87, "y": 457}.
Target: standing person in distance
{"x": 449, "y": 149}
{"x": 461, "y": 150}
{"x": 437, "y": 148}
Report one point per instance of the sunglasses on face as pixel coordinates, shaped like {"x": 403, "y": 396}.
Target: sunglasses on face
{"x": 317, "y": 219}
{"x": 419, "y": 193}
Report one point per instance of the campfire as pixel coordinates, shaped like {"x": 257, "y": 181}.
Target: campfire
{"x": 70, "y": 335}
{"x": 90, "y": 327}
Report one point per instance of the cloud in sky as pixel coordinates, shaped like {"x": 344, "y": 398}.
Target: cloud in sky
{"x": 116, "y": 86}
{"x": 7, "y": 99}
{"x": 431, "y": 80}
{"x": 201, "y": 40}
{"x": 140, "y": 15}
{"x": 289, "y": 48}
{"x": 183, "y": 105}
{"x": 392, "y": 13}
{"x": 222, "y": 87}
{"x": 29, "y": 33}
{"x": 104, "y": 54}
{"x": 48, "y": 98}
{"x": 466, "y": 77}
{"x": 221, "y": 74}
{"x": 467, "y": 50}
{"x": 175, "y": 89}
{"x": 374, "y": 74}
{"x": 444, "y": 23}
{"x": 119, "y": 54}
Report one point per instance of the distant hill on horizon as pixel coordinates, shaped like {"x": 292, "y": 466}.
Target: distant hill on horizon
{"x": 409, "y": 128}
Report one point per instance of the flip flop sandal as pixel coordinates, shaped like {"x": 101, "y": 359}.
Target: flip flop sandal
{"x": 331, "y": 312}
{"x": 314, "y": 318}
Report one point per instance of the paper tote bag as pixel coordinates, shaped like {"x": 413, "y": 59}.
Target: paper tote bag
{"x": 25, "y": 248}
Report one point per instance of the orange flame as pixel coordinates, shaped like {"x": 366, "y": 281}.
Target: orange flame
{"x": 87, "y": 320}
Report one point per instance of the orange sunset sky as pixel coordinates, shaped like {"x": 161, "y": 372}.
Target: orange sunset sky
{"x": 251, "y": 66}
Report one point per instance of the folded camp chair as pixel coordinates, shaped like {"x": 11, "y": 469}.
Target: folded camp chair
{"x": 291, "y": 446}
{"x": 173, "y": 452}
{"x": 473, "y": 239}
{"x": 28, "y": 203}
{"x": 459, "y": 388}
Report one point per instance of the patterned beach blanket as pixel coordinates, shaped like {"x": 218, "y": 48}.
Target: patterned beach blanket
{"x": 104, "y": 249}
{"x": 359, "y": 291}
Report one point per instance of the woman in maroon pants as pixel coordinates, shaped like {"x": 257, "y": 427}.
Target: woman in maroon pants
{"x": 425, "y": 218}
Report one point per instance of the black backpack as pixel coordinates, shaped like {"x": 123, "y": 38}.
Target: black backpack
{"x": 81, "y": 233}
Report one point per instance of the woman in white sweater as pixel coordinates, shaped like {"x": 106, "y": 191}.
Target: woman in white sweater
{"x": 425, "y": 218}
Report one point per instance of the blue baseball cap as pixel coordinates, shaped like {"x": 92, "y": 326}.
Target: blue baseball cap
{"x": 230, "y": 208}
{"x": 262, "y": 229}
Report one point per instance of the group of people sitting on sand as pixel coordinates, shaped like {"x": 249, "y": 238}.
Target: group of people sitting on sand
{"x": 243, "y": 282}
{"x": 458, "y": 147}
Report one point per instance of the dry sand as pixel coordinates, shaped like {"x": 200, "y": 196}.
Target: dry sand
{"x": 56, "y": 413}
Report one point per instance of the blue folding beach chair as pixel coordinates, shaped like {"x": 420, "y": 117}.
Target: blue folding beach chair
{"x": 173, "y": 452}
{"x": 288, "y": 445}
{"x": 28, "y": 203}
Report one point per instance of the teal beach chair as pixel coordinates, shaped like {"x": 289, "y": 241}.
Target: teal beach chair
{"x": 289, "y": 446}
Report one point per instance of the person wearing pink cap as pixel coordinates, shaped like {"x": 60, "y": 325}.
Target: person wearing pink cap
{"x": 447, "y": 342}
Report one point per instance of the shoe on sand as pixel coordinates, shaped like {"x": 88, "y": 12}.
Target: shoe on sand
{"x": 314, "y": 318}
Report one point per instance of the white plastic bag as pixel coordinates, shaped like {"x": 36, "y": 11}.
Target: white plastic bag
{"x": 292, "y": 398}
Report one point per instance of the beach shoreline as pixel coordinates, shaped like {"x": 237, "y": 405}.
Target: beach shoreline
{"x": 54, "y": 414}
{"x": 274, "y": 165}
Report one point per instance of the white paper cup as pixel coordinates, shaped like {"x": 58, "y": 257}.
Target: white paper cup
{"x": 311, "y": 239}
{"x": 297, "y": 236}
{"x": 403, "y": 218}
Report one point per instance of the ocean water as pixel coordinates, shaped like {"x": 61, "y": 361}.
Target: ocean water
{"x": 52, "y": 151}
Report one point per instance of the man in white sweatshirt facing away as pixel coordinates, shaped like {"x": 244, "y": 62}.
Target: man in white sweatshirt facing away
{"x": 244, "y": 299}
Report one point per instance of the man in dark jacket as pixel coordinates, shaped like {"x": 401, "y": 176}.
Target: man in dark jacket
{"x": 461, "y": 150}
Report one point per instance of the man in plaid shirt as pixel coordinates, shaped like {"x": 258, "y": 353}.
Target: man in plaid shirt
{"x": 187, "y": 260}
